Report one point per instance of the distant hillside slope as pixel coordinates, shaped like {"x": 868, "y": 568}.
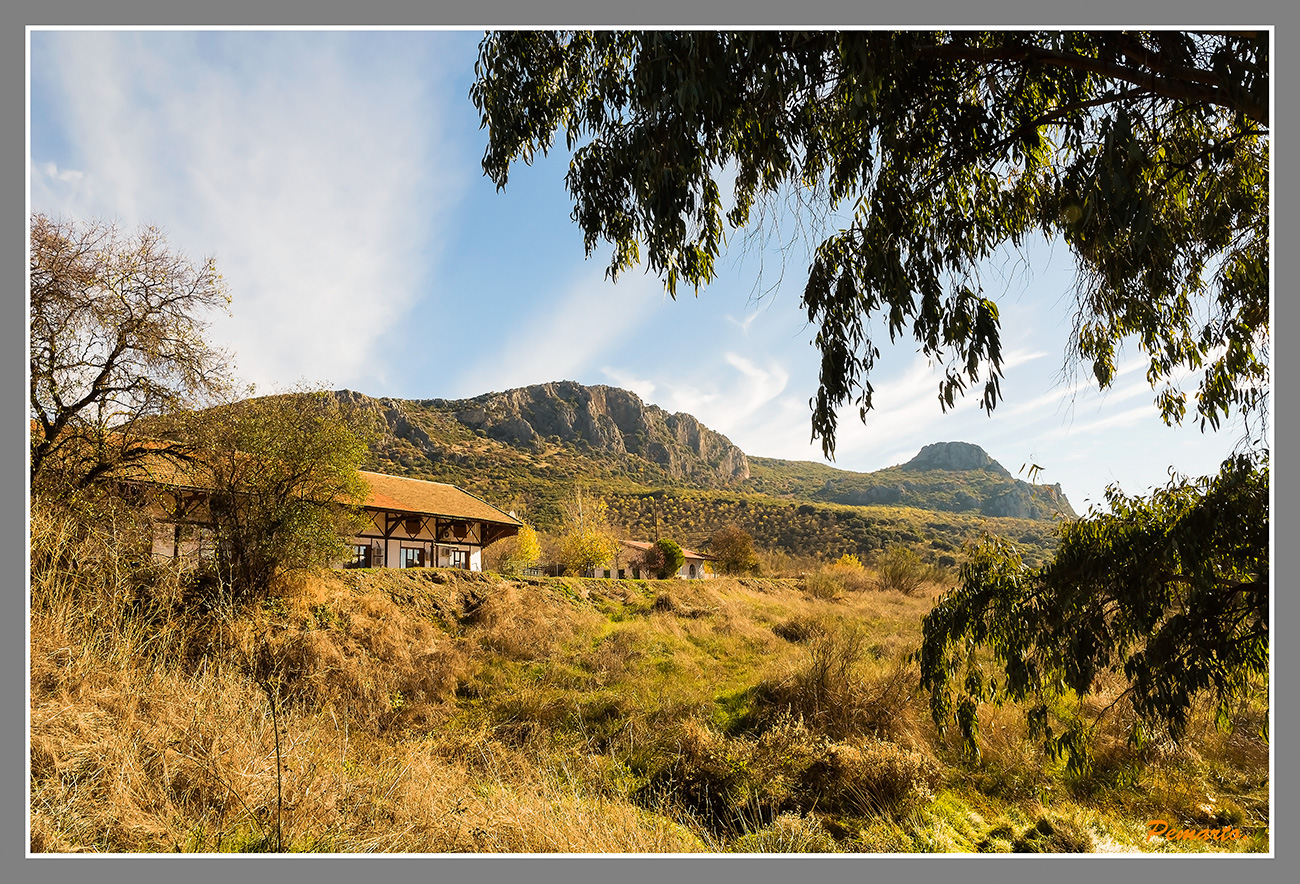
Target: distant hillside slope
{"x": 955, "y": 477}
{"x": 665, "y": 473}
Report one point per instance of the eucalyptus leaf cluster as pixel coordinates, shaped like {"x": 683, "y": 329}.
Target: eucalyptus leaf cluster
{"x": 924, "y": 154}
{"x": 1169, "y": 593}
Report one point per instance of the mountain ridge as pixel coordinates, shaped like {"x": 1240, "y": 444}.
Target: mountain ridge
{"x": 608, "y": 419}
{"x": 566, "y": 431}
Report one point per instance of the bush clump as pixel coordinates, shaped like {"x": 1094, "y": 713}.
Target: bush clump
{"x": 833, "y": 691}
{"x": 870, "y": 777}
{"x": 823, "y": 585}
{"x": 797, "y": 629}
{"x": 735, "y": 784}
{"x": 788, "y": 833}
{"x": 901, "y": 569}
{"x": 846, "y": 574}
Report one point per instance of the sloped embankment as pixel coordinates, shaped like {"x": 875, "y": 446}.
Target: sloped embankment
{"x": 430, "y": 711}
{"x": 441, "y": 711}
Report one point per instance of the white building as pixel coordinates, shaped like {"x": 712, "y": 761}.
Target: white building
{"x": 412, "y": 523}
{"x": 632, "y": 551}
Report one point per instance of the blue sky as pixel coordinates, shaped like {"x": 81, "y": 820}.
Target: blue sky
{"x": 335, "y": 177}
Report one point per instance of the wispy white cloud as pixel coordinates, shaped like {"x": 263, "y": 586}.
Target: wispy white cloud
{"x": 1015, "y": 358}
{"x": 49, "y": 173}
{"x": 643, "y": 387}
{"x": 763, "y": 384}
{"x": 1111, "y": 421}
{"x": 738, "y": 395}
{"x": 743, "y": 324}
{"x": 307, "y": 170}
{"x": 565, "y": 337}
{"x": 735, "y": 397}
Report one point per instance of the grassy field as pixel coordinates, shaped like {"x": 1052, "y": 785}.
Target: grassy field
{"x": 439, "y": 711}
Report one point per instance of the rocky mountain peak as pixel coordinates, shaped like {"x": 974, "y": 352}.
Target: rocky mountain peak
{"x": 607, "y": 419}
{"x": 620, "y": 432}
{"x": 955, "y": 456}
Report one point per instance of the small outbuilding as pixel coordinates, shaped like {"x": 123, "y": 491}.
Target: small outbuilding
{"x": 631, "y": 551}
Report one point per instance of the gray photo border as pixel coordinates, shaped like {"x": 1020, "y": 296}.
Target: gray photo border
{"x": 19, "y": 14}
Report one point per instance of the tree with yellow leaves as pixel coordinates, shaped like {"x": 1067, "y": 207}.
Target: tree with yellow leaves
{"x": 524, "y": 550}
{"x": 587, "y": 542}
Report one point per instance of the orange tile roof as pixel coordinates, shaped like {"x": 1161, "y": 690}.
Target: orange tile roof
{"x": 430, "y": 498}
{"x": 384, "y": 492}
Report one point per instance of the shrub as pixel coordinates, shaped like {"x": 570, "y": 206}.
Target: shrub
{"x": 850, "y": 574}
{"x": 92, "y": 574}
{"x": 823, "y": 585}
{"x": 734, "y": 550}
{"x": 873, "y": 777}
{"x": 582, "y": 550}
{"x": 900, "y": 568}
{"x": 710, "y": 776}
{"x": 835, "y": 691}
{"x": 734, "y": 785}
{"x": 674, "y": 558}
{"x": 522, "y": 551}
{"x": 827, "y": 680}
{"x": 788, "y": 833}
{"x": 797, "y": 629}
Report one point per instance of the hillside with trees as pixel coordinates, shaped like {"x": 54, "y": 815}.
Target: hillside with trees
{"x": 667, "y": 474}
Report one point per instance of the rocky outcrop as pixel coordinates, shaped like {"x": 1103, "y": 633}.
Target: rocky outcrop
{"x": 606, "y": 419}
{"x": 952, "y": 477}
{"x": 388, "y": 413}
{"x": 1025, "y": 501}
{"x": 955, "y": 456}
{"x": 617, "y": 425}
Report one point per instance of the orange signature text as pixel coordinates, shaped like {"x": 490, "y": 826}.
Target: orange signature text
{"x": 1162, "y": 829}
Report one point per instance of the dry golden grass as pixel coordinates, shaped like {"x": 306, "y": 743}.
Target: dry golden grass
{"x": 436, "y": 711}
{"x": 127, "y": 761}
{"x": 132, "y": 751}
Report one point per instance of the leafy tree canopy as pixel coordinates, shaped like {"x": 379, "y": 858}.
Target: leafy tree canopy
{"x": 733, "y": 548}
{"x": 282, "y": 478}
{"x": 524, "y": 550}
{"x": 1145, "y": 152}
{"x": 673, "y": 557}
{"x": 1171, "y": 592}
{"x": 587, "y": 542}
